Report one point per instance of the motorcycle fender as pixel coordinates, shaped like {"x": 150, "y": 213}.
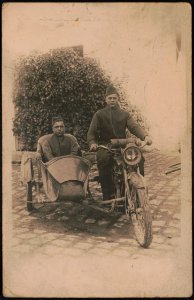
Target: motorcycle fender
{"x": 137, "y": 180}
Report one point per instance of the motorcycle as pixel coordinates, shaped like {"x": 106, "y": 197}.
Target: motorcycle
{"x": 131, "y": 192}
{"x": 67, "y": 178}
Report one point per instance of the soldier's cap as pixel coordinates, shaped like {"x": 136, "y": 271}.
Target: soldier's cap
{"x": 57, "y": 119}
{"x": 111, "y": 90}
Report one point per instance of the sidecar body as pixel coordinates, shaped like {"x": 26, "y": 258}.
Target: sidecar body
{"x": 63, "y": 178}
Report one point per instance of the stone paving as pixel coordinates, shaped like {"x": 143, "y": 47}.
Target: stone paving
{"x": 72, "y": 250}
{"x": 71, "y": 229}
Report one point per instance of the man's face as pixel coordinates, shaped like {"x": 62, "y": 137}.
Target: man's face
{"x": 112, "y": 100}
{"x": 59, "y": 128}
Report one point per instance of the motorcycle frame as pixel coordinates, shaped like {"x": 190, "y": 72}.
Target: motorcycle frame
{"x": 131, "y": 178}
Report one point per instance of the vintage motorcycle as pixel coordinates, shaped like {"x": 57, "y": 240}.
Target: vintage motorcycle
{"x": 131, "y": 193}
{"x": 67, "y": 178}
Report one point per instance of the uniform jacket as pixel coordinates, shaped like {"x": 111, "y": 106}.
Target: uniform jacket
{"x": 50, "y": 146}
{"x": 109, "y": 123}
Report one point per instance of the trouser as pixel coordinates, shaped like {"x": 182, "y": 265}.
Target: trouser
{"x": 105, "y": 168}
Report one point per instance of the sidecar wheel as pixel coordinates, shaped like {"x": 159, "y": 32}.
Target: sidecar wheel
{"x": 29, "y": 196}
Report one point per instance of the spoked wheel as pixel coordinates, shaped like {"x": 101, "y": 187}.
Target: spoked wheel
{"x": 120, "y": 192}
{"x": 141, "y": 216}
{"x": 29, "y": 196}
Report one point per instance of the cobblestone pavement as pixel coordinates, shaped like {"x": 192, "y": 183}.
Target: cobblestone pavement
{"x": 73, "y": 231}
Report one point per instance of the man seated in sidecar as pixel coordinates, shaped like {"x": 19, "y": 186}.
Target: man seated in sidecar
{"x": 58, "y": 143}
{"x": 66, "y": 177}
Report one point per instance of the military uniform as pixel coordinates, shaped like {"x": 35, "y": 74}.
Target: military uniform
{"x": 107, "y": 124}
{"x": 51, "y": 145}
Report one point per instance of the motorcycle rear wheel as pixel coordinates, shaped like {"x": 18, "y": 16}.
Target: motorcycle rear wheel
{"x": 141, "y": 217}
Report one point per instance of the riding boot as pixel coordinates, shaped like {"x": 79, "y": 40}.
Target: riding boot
{"x": 107, "y": 185}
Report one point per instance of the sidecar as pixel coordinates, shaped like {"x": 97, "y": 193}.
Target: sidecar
{"x": 63, "y": 178}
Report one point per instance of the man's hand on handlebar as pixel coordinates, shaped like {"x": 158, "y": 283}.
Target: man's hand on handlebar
{"x": 93, "y": 147}
{"x": 138, "y": 142}
{"x": 148, "y": 140}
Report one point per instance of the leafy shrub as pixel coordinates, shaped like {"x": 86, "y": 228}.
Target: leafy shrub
{"x": 60, "y": 82}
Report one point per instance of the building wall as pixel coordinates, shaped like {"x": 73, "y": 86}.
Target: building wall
{"x": 144, "y": 45}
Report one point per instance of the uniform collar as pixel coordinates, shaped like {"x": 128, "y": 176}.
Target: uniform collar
{"x": 117, "y": 107}
{"x": 57, "y": 136}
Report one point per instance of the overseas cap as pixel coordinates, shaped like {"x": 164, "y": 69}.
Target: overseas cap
{"x": 111, "y": 90}
{"x": 57, "y": 119}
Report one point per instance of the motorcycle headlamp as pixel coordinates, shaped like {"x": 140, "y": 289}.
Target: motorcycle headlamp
{"x": 132, "y": 155}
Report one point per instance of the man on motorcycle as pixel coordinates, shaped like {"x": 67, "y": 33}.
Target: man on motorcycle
{"x": 109, "y": 123}
{"x": 58, "y": 143}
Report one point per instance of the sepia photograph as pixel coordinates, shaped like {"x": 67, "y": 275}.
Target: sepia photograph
{"x": 97, "y": 180}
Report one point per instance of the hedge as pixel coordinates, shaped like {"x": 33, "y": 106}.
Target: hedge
{"x": 60, "y": 82}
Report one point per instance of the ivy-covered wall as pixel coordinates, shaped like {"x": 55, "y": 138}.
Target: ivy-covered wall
{"x": 60, "y": 82}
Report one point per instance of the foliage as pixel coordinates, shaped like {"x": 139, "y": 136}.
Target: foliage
{"x": 59, "y": 82}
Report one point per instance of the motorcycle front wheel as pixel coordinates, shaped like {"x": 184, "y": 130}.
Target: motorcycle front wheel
{"x": 141, "y": 216}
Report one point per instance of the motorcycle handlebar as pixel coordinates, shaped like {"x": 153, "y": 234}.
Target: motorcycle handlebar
{"x": 100, "y": 147}
{"x": 143, "y": 145}
{"x": 124, "y": 142}
{"x": 119, "y": 143}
